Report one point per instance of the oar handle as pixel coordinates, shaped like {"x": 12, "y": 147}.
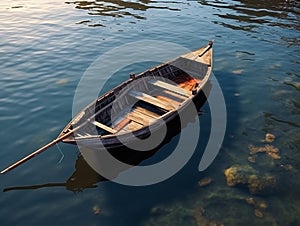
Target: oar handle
{"x": 30, "y": 156}
{"x": 40, "y": 150}
{"x": 57, "y": 140}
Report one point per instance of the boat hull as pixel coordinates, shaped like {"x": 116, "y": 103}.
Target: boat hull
{"x": 113, "y": 139}
{"x": 173, "y": 122}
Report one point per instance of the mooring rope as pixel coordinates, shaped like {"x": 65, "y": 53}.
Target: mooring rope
{"x": 62, "y": 154}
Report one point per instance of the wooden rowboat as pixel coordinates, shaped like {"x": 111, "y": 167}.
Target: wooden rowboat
{"x": 141, "y": 101}
{"x": 130, "y": 109}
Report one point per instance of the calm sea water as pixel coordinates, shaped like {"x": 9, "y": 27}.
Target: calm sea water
{"x": 45, "y": 48}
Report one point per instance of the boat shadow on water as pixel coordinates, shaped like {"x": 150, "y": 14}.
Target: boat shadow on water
{"x": 85, "y": 176}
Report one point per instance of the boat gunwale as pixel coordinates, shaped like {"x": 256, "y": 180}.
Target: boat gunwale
{"x": 139, "y": 132}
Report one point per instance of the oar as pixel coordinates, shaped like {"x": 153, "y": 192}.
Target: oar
{"x": 44, "y": 148}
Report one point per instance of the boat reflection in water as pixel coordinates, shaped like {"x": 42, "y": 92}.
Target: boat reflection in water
{"x": 85, "y": 177}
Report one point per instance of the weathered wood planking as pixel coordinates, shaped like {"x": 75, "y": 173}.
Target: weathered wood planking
{"x": 104, "y": 127}
{"x": 146, "y": 112}
{"x": 150, "y": 99}
{"x": 140, "y": 118}
{"x": 170, "y": 87}
{"x": 169, "y": 100}
{"x": 173, "y": 96}
{"x": 122, "y": 124}
{"x": 132, "y": 126}
{"x": 185, "y": 81}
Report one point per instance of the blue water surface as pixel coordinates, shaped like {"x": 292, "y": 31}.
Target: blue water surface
{"x": 46, "y": 47}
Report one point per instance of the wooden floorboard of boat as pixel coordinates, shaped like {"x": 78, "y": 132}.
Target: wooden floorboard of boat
{"x": 132, "y": 126}
{"x": 140, "y": 118}
{"x": 187, "y": 86}
{"x": 185, "y": 81}
{"x": 122, "y": 124}
{"x": 150, "y": 99}
{"x": 146, "y": 112}
{"x": 139, "y": 115}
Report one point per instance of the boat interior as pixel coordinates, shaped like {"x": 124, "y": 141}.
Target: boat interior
{"x": 140, "y": 100}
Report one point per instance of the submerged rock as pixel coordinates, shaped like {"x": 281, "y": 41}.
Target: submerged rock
{"x": 257, "y": 203}
{"x": 238, "y": 174}
{"x": 252, "y": 158}
{"x": 265, "y": 184}
{"x": 262, "y": 205}
{"x": 247, "y": 176}
{"x": 269, "y": 137}
{"x": 259, "y": 206}
{"x": 273, "y": 155}
{"x": 270, "y": 150}
{"x": 250, "y": 201}
{"x": 258, "y": 213}
{"x": 96, "y": 210}
{"x": 254, "y": 150}
{"x": 205, "y": 181}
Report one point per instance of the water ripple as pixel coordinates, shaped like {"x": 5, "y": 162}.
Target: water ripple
{"x": 122, "y": 8}
{"x": 47, "y": 45}
{"x": 251, "y": 14}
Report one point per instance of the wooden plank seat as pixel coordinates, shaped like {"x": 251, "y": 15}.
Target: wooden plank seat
{"x": 104, "y": 127}
{"x": 169, "y": 100}
{"x": 150, "y": 99}
{"x": 170, "y": 87}
{"x": 82, "y": 134}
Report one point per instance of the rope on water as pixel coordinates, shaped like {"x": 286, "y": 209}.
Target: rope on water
{"x": 62, "y": 154}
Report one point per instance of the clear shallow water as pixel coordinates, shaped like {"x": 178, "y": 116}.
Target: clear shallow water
{"x": 46, "y": 46}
